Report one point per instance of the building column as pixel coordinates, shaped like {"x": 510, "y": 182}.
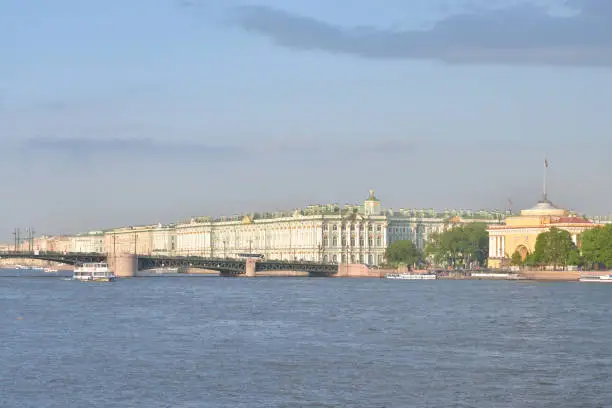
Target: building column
{"x": 503, "y": 246}
{"x": 494, "y": 247}
{"x": 491, "y": 247}
{"x": 497, "y": 246}
{"x": 384, "y": 243}
{"x": 575, "y": 239}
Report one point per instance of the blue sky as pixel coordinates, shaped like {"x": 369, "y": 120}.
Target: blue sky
{"x": 117, "y": 113}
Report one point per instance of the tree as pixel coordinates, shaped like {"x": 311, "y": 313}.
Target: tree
{"x": 433, "y": 249}
{"x": 516, "y": 259}
{"x": 460, "y": 245}
{"x": 596, "y": 246}
{"x": 530, "y": 260}
{"x": 477, "y": 246}
{"x": 574, "y": 258}
{"x": 554, "y": 247}
{"x": 403, "y": 252}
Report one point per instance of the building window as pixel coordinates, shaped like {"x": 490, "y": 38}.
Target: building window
{"x": 361, "y": 241}
{"x": 335, "y": 258}
{"x": 370, "y": 241}
{"x": 335, "y": 241}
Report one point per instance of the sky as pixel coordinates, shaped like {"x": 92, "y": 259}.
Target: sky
{"x": 124, "y": 113}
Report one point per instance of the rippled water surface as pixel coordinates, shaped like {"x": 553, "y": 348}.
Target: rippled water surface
{"x": 289, "y": 342}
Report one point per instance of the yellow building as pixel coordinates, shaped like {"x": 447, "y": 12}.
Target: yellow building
{"x": 519, "y": 233}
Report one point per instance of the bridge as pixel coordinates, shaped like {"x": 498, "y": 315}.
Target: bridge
{"x": 225, "y": 266}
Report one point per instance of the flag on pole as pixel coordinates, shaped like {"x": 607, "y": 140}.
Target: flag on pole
{"x": 546, "y": 163}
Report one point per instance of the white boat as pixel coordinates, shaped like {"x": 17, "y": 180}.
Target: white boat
{"x": 96, "y": 272}
{"x": 599, "y": 279}
{"x": 410, "y": 276}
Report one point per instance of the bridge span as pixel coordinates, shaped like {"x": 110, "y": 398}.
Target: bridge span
{"x": 129, "y": 264}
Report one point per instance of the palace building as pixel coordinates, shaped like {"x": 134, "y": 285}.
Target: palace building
{"x": 328, "y": 233}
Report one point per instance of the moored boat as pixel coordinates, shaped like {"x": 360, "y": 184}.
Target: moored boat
{"x": 95, "y": 272}
{"x": 597, "y": 279}
{"x": 410, "y": 276}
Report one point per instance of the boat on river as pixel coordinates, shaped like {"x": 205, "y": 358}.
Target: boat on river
{"x": 95, "y": 272}
{"x": 597, "y": 279}
{"x": 411, "y": 276}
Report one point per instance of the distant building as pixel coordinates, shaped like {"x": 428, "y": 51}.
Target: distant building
{"x": 154, "y": 239}
{"x": 163, "y": 240}
{"x": 602, "y": 220}
{"x": 90, "y": 242}
{"x": 61, "y": 244}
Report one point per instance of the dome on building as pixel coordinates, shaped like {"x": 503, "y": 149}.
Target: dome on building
{"x": 545, "y": 207}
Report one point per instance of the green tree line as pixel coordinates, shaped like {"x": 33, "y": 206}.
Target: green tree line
{"x": 596, "y": 247}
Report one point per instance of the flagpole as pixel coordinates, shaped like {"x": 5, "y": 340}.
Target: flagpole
{"x": 545, "y": 174}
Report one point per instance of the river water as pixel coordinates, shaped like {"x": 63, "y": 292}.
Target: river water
{"x": 303, "y": 342}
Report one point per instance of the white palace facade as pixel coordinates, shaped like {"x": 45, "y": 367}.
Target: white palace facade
{"x": 356, "y": 234}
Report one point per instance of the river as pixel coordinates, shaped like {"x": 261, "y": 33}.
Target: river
{"x": 303, "y": 342}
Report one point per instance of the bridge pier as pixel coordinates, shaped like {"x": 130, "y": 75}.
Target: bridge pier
{"x": 123, "y": 265}
{"x": 250, "y": 267}
{"x": 357, "y": 271}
